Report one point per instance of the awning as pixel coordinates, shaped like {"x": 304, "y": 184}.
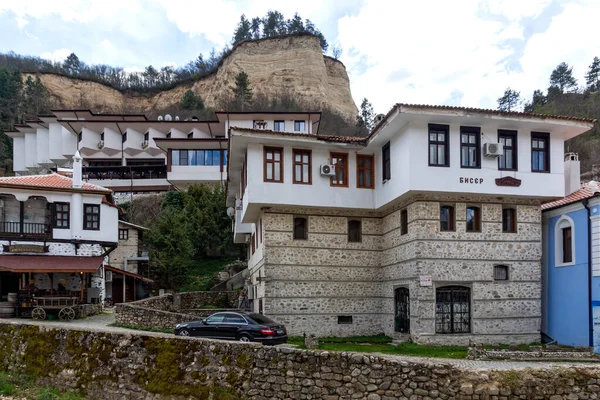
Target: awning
{"x": 20, "y": 263}
{"x": 126, "y": 273}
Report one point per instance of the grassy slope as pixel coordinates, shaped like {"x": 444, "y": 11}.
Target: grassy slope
{"x": 203, "y": 274}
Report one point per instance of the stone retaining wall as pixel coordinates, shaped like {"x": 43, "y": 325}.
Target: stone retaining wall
{"x": 110, "y": 365}
{"x": 136, "y": 315}
{"x": 535, "y": 354}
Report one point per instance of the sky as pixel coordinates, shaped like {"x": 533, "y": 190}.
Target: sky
{"x": 461, "y": 52}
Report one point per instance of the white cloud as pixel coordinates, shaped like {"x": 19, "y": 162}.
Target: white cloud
{"x": 57, "y": 55}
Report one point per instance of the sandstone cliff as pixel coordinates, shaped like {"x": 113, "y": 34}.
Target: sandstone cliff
{"x": 294, "y": 65}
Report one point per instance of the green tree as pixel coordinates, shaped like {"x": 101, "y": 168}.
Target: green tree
{"x": 366, "y": 116}
{"x": 592, "y": 77}
{"x": 242, "y": 91}
{"x": 562, "y": 79}
{"x": 72, "y": 64}
{"x": 190, "y": 101}
{"x": 255, "y": 27}
{"x": 243, "y": 30}
{"x": 295, "y": 25}
{"x": 538, "y": 100}
{"x": 510, "y": 101}
{"x": 274, "y": 24}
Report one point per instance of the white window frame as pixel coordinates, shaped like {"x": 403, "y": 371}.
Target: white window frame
{"x": 563, "y": 222}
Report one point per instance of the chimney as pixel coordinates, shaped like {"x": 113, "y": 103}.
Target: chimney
{"x": 77, "y": 170}
{"x": 572, "y": 173}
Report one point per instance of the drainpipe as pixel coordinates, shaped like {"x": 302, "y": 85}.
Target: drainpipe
{"x": 585, "y": 203}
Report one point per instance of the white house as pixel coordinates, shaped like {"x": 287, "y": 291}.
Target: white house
{"x": 54, "y": 234}
{"x": 429, "y": 227}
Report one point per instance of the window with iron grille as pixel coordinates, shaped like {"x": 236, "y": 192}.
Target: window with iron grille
{"x": 62, "y": 215}
{"x": 354, "y": 230}
{"x": 91, "y": 217}
{"x": 402, "y": 317}
{"x": 344, "y": 319}
{"x": 500, "y": 272}
{"x": 453, "y": 309}
{"x": 300, "y": 228}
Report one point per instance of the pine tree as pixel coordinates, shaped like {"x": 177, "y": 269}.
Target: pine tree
{"x": 538, "y": 100}
{"x": 366, "y": 116}
{"x": 562, "y": 79}
{"x": 242, "y": 90}
{"x": 243, "y": 30}
{"x": 592, "y": 77}
{"x": 72, "y": 64}
{"x": 509, "y": 101}
{"x": 190, "y": 101}
{"x": 295, "y": 25}
{"x": 255, "y": 27}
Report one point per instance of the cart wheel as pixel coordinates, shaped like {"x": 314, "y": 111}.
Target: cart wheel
{"x": 38, "y": 313}
{"x": 66, "y": 314}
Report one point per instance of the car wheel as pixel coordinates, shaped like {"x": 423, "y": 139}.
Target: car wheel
{"x": 244, "y": 338}
{"x": 184, "y": 332}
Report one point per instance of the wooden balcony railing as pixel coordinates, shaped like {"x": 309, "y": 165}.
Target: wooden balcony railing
{"x": 25, "y": 229}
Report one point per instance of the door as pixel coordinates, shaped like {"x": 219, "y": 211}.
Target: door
{"x": 209, "y": 327}
{"x": 402, "y": 319}
{"x": 231, "y": 325}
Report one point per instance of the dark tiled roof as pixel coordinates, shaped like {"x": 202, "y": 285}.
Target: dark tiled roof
{"x": 587, "y": 191}
{"x": 478, "y": 111}
{"x": 326, "y": 138}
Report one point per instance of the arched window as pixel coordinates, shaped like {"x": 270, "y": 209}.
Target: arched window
{"x": 453, "y": 309}
{"x": 564, "y": 241}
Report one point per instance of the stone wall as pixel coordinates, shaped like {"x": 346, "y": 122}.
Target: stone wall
{"x": 134, "y": 315}
{"x": 308, "y": 283}
{"x": 191, "y": 300}
{"x": 109, "y": 365}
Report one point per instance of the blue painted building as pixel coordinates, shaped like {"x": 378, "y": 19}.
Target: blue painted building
{"x": 571, "y": 263}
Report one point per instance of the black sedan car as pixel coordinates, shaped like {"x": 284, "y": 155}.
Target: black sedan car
{"x": 245, "y": 327}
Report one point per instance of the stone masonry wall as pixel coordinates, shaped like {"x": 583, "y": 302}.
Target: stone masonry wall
{"x": 309, "y": 283}
{"x": 105, "y": 366}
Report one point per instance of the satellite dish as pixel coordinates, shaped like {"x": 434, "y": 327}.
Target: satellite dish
{"x": 160, "y": 118}
{"x": 168, "y": 117}
{"x": 177, "y": 118}
{"x": 230, "y": 212}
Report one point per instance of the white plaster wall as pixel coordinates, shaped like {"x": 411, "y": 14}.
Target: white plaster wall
{"x": 69, "y": 145}
{"x": 30, "y": 149}
{"x": 191, "y": 173}
{"x": 43, "y": 146}
{"x": 153, "y": 133}
{"x": 112, "y": 140}
{"x": 89, "y": 138}
{"x": 177, "y": 134}
{"x": 55, "y": 148}
{"x": 19, "y": 154}
{"x": 134, "y": 140}
{"x": 199, "y": 134}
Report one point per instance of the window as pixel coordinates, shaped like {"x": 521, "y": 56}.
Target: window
{"x": 500, "y": 272}
{"x": 446, "y": 218}
{"x": 124, "y": 137}
{"x": 365, "y": 172}
{"x": 567, "y": 245}
{"x": 540, "y": 152}
{"x": 470, "y": 149}
{"x": 190, "y": 135}
{"x": 302, "y": 166}
{"x": 344, "y": 319}
{"x": 473, "y": 219}
{"x": 80, "y": 136}
{"x": 354, "y": 231}
{"x": 146, "y": 136}
{"x": 260, "y": 229}
{"x": 453, "y": 309}
{"x": 169, "y": 135}
{"x": 123, "y": 234}
{"x": 273, "y": 168}
{"x": 91, "y": 217}
{"x": 279, "y": 126}
{"x": 62, "y": 215}
{"x": 300, "y": 228}
{"x": 215, "y": 319}
{"x": 403, "y": 222}
{"x": 439, "y": 154}
{"x": 508, "y": 160}
{"x": 253, "y": 238}
{"x": 102, "y": 136}
{"x": 386, "y": 170}
{"x": 509, "y": 219}
{"x": 235, "y": 319}
{"x": 298, "y": 126}
{"x": 340, "y": 160}
{"x": 259, "y": 124}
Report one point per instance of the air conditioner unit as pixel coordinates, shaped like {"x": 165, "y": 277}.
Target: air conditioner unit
{"x": 493, "y": 149}
{"x": 328, "y": 170}
{"x": 101, "y": 144}
{"x": 108, "y": 276}
{"x": 144, "y": 144}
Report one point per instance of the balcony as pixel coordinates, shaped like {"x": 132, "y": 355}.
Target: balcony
{"x": 125, "y": 172}
{"x": 25, "y": 230}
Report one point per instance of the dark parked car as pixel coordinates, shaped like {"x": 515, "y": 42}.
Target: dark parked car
{"x": 245, "y": 327}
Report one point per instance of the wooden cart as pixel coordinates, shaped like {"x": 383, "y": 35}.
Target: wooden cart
{"x": 67, "y": 307}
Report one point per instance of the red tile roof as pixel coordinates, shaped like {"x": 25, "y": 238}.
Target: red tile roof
{"x": 587, "y": 191}
{"x": 49, "y": 181}
{"x": 326, "y": 138}
{"x": 477, "y": 111}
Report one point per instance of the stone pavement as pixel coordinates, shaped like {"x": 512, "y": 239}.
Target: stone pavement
{"x": 100, "y": 323}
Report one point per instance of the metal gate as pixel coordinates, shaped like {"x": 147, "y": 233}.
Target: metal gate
{"x": 453, "y": 310}
{"x": 402, "y": 320}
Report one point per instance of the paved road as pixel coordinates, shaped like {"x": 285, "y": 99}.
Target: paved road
{"x": 101, "y": 322}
